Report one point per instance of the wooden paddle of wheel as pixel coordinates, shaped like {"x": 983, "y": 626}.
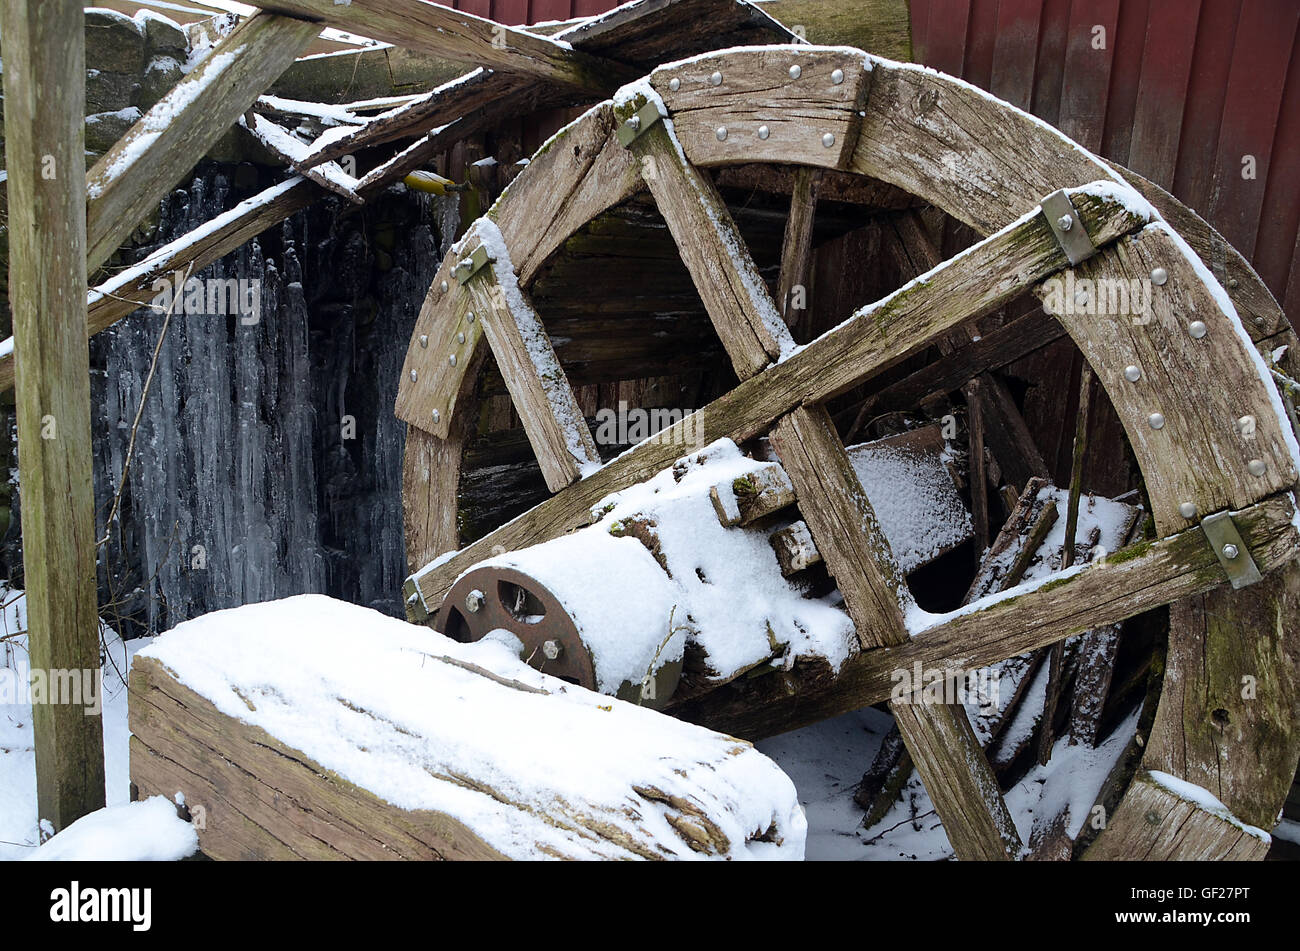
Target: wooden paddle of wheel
{"x": 1183, "y": 378}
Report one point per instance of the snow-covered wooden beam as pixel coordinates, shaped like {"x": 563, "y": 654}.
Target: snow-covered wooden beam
{"x": 129, "y": 179}
{"x": 464, "y": 37}
{"x": 292, "y": 741}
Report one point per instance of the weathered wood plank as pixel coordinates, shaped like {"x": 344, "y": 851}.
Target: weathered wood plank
{"x": 1140, "y": 578}
{"x": 460, "y": 36}
{"x": 810, "y": 119}
{"x": 1158, "y": 825}
{"x": 713, "y": 250}
{"x": 796, "y": 249}
{"x": 289, "y": 149}
{"x": 756, "y": 496}
{"x": 533, "y": 375}
{"x": 44, "y": 61}
{"x": 1189, "y": 450}
{"x": 129, "y": 179}
{"x": 879, "y": 335}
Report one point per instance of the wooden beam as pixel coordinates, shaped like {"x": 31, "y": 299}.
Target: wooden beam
{"x": 1139, "y": 578}
{"x": 796, "y": 249}
{"x": 538, "y": 386}
{"x": 44, "y": 53}
{"x": 129, "y": 179}
{"x": 460, "y": 36}
{"x": 877, "y": 336}
{"x": 713, "y": 250}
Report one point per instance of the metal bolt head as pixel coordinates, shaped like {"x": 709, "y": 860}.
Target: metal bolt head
{"x": 1065, "y": 222}
{"x": 1158, "y": 276}
{"x": 1156, "y": 420}
{"x": 1187, "y": 509}
{"x": 828, "y": 139}
{"x": 437, "y": 417}
{"x": 460, "y": 337}
{"x": 674, "y": 84}
{"x": 764, "y": 132}
{"x": 633, "y": 123}
{"x": 837, "y": 76}
{"x": 413, "y": 375}
{"x": 451, "y": 359}
{"x": 1260, "y": 320}
{"x": 1197, "y": 329}
{"x": 474, "y": 601}
{"x": 796, "y": 71}
{"x": 1230, "y": 551}
{"x": 716, "y": 79}
{"x": 1257, "y": 467}
{"x": 424, "y": 341}
{"x": 1132, "y": 373}
{"x": 443, "y": 286}
{"x": 721, "y": 133}
{"x": 470, "y": 317}
{"x": 552, "y": 649}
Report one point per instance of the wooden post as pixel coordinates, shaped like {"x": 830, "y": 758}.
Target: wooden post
{"x": 44, "y": 51}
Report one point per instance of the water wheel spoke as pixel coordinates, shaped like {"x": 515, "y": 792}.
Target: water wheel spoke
{"x": 537, "y": 383}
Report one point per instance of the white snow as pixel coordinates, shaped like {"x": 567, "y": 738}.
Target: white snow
{"x": 145, "y": 831}
{"x": 412, "y": 717}
{"x": 1204, "y": 799}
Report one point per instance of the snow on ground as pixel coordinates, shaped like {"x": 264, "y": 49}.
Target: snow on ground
{"x": 18, "y": 830}
{"x": 145, "y": 831}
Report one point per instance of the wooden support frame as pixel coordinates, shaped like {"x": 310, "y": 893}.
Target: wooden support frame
{"x": 44, "y": 44}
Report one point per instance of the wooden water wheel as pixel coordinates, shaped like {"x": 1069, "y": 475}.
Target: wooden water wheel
{"x": 1205, "y": 427}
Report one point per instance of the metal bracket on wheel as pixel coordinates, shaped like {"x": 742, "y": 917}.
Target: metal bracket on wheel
{"x": 1221, "y": 532}
{"x": 639, "y": 124}
{"x": 470, "y": 265}
{"x": 1063, "y": 218}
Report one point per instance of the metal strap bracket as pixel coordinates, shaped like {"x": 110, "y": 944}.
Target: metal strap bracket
{"x": 1233, "y": 553}
{"x": 639, "y": 124}
{"x": 1063, "y": 218}
{"x": 471, "y": 264}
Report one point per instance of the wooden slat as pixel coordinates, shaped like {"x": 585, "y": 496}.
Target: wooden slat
{"x": 142, "y": 166}
{"x": 1153, "y": 824}
{"x": 714, "y": 252}
{"x": 43, "y": 46}
{"x": 796, "y": 250}
{"x": 541, "y": 392}
{"x": 1004, "y": 162}
{"x": 463, "y": 37}
{"x": 284, "y": 146}
{"x": 1137, "y": 579}
{"x": 988, "y": 275}
{"x": 1197, "y": 455}
{"x": 1166, "y": 69}
{"x": 1015, "y": 51}
{"x": 757, "y": 89}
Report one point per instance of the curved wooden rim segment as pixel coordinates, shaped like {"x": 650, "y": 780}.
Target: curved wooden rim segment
{"x": 1224, "y": 448}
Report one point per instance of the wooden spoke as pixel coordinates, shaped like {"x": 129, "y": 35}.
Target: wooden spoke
{"x": 463, "y": 37}
{"x": 127, "y": 182}
{"x": 536, "y": 381}
{"x": 987, "y": 275}
{"x": 796, "y": 250}
{"x": 289, "y": 149}
{"x": 710, "y": 244}
{"x": 1136, "y": 579}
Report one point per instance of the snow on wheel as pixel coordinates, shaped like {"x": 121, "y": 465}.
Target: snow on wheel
{"x": 767, "y": 552}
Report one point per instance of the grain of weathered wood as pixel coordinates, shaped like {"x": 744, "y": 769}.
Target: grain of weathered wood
{"x": 796, "y": 249}
{"x": 44, "y": 61}
{"x": 1153, "y": 824}
{"x": 758, "y": 90}
{"x": 460, "y": 36}
{"x": 795, "y": 548}
{"x": 1143, "y": 577}
{"x": 284, "y": 146}
{"x": 1003, "y": 161}
{"x": 1198, "y": 454}
{"x": 533, "y": 375}
{"x": 129, "y": 179}
{"x": 713, "y": 250}
{"x": 878, "y": 336}
{"x": 757, "y": 495}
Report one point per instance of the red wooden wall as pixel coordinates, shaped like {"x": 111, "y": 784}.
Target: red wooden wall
{"x": 1182, "y": 92}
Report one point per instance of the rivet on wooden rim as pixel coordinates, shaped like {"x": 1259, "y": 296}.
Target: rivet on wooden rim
{"x": 1197, "y": 329}
{"x": 828, "y": 139}
{"x": 1132, "y": 373}
{"x": 764, "y": 132}
{"x": 1187, "y": 509}
{"x": 796, "y": 71}
{"x": 837, "y": 76}
{"x": 1159, "y": 275}
{"x": 424, "y": 341}
{"x": 674, "y": 84}
{"x": 721, "y": 133}
{"x": 716, "y": 79}
{"x": 1157, "y": 421}
{"x": 1257, "y": 467}
{"x": 437, "y": 417}
{"x": 451, "y": 358}
{"x": 413, "y": 375}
